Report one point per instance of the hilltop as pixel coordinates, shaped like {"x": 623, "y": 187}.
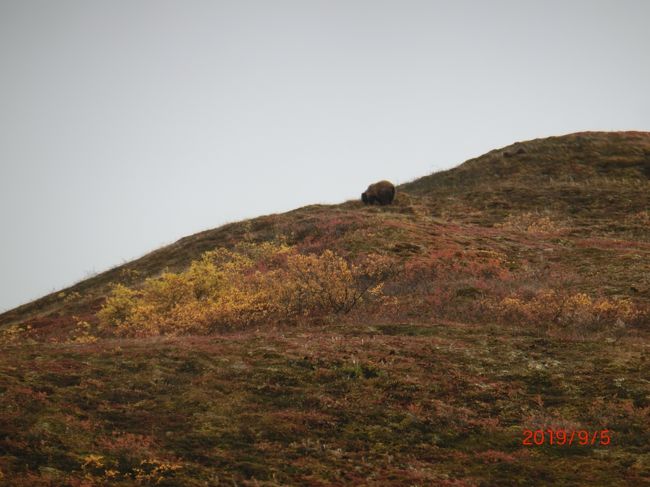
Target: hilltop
{"x": 513, "y": 293}
{"x": 591, "y": 184}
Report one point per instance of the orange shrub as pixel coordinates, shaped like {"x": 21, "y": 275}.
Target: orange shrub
{"x": 577, "y": 310}
{"x": 328, "y": 283}
{"x": 254, "y": 283}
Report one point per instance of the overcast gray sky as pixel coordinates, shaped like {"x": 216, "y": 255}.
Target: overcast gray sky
{"x": 125, "y": 125}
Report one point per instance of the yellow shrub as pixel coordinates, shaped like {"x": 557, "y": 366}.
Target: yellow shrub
{"x": 119, "y": 306}
{"x": 320, "y": 282}
{"x": 574, "y": 310}
{"x": 236, "y": 288}
{"x": 152, "y": 472}
{"x": 82, "y": 333}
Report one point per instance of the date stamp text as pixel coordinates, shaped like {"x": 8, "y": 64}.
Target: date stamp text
{"x": 561, "y": 437}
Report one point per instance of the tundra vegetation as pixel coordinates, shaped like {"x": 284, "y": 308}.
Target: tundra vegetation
{"x": 408, "y": 344}
{"x": 255, "y": 284}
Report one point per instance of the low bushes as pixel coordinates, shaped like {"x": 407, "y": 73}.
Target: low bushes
{"x": 255, "y": 284}
{"x": 575, "y": 310}
{"x": 231, "y": 289}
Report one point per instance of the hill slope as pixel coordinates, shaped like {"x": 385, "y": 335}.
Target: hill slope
{"x": 593, "y": 184}
{"x": 519, "y": 302}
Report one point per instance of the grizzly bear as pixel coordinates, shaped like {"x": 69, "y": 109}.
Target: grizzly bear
{"x": 382, "y": 192}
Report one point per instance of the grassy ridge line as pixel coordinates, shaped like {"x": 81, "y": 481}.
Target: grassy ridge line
{"x": 575, "y": 156}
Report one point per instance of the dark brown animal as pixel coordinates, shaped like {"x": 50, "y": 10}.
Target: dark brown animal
{"x": 382, "y": 193}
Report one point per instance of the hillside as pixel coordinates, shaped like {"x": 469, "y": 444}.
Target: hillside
{"x": 514, "y": 295}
